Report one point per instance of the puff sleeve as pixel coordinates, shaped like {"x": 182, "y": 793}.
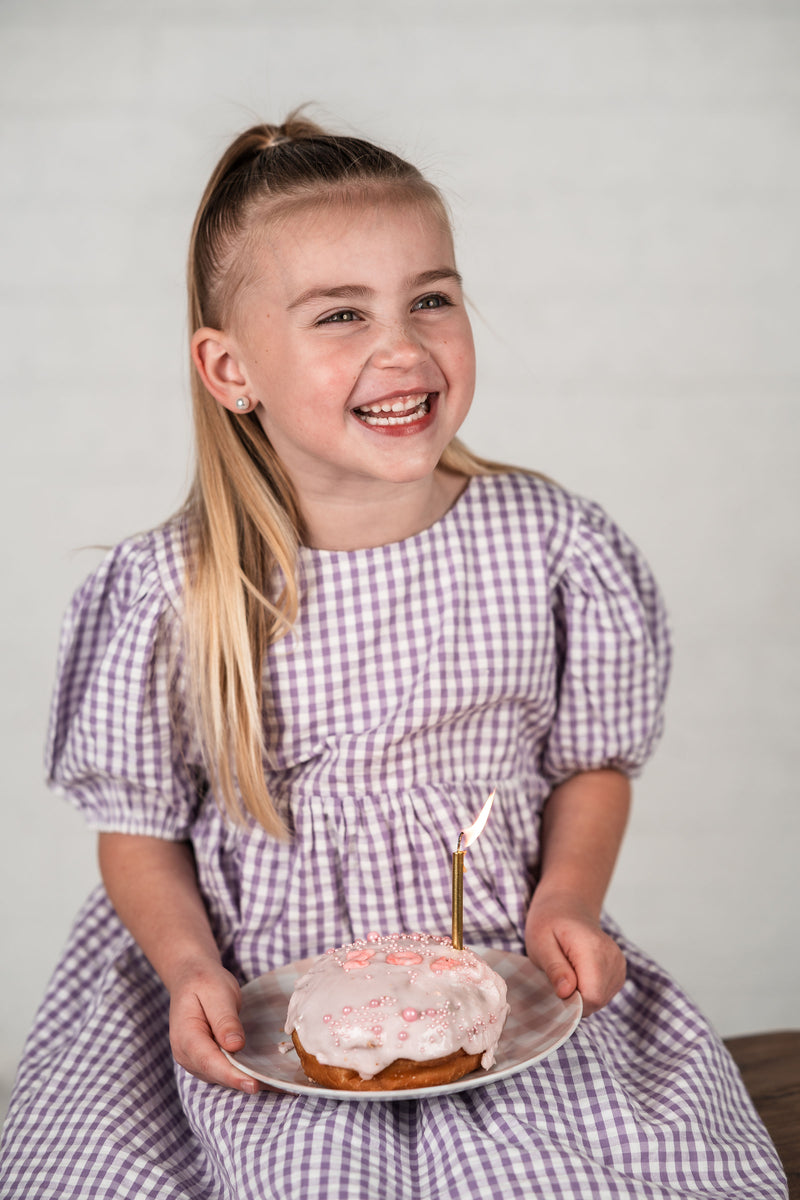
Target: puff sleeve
{"x": 613, "y": 653}
{"x": 117, "y": 742}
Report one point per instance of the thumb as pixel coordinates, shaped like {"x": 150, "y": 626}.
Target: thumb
{"x": 558, "y": 969}
{"x": 223, "y": 1018}
{"x": 228, "y": 1032}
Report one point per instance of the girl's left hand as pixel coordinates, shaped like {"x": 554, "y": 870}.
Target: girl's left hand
{"x": 566, "y": 941}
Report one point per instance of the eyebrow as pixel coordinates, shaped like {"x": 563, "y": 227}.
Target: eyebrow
{"x": 359, "y": 291}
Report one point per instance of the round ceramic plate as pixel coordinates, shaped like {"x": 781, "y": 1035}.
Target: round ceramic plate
{"x": 539, "y": 1022}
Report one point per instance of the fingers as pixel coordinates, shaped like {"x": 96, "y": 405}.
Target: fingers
{"x": 203, "y": 1017}
{"x": 544, "y": 949}
{"x": 578, "y": 955}
{"x": 600, "y": 983}
{"x": 202, "y": 1057}
{"x": 600, "y": 967}
{"x": 560, "y": 971}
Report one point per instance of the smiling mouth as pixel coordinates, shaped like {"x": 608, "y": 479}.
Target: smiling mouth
{"x": 403, "y": 410}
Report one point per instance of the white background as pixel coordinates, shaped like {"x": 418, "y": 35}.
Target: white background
{"x": 625, "y": 183}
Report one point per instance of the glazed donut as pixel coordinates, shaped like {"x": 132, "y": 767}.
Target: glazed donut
{"x": 403, "y": 1011}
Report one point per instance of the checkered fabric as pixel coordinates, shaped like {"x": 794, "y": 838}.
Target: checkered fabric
{"x": 518, "y": 640}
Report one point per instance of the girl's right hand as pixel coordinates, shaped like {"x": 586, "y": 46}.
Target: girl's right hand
{"x": 204, "y": 1015}
{"x": 152, "y": 883}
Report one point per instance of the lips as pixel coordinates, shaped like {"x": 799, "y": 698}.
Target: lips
{"x": 396, "y": 411}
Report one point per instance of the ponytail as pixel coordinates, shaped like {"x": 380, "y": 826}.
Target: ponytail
{"x": 244, "y": 519}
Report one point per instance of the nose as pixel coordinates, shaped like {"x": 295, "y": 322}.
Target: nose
{"x": 399, "y": 346}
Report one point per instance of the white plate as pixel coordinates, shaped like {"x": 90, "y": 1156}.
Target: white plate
{"x": 539, "y": 1022}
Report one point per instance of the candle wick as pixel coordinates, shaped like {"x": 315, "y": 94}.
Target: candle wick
{"x": 458, "y": 843}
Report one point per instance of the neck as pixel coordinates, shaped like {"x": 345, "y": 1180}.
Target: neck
{"x": 390, "y": 513}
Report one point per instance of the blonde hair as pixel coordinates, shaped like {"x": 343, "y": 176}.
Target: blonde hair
{"x": 244, "y": 519}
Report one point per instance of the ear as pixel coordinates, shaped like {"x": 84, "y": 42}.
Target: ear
{"x": 216, "y": 357}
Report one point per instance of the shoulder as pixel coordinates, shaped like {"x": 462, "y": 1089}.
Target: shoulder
{"x": 532, "y": 509}
{"x": 574, "y": 539}
{"x": 146, "y": 566}
{"x": 123, "y": 620}
{"x": 132, "y": 600}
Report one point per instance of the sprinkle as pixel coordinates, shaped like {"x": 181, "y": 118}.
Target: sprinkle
{"x": 445, "y": 964}
{"x": 409, "y": 1014}
{"x": 361, "y": 957}
{"x": 403, "y": 958}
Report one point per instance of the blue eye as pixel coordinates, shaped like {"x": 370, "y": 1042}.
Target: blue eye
{"x": 435, "y": 300}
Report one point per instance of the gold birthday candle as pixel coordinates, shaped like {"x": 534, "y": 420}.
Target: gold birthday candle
{"x": 465, "y": 838}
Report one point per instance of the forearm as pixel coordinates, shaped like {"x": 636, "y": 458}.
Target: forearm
{"x": 582, "y": 829}
{"x": 152, "y": 884}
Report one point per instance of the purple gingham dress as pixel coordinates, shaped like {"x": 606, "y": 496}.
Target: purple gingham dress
{"x": 518, "y": 640}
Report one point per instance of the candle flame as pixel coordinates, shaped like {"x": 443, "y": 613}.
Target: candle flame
{"x": 468, "y": 836}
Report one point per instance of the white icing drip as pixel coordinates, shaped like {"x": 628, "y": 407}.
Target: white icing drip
{"x": 354, "y": 1009}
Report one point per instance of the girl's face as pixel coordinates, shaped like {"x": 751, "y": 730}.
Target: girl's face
{"x": 355, "y": 345}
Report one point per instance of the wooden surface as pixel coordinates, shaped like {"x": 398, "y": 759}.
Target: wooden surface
{"x": 770, "y": 1067}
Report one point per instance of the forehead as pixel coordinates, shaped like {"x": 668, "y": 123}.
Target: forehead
{"x": 365, "y": 236}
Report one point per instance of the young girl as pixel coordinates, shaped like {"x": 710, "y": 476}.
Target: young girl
{"x": 279, "y": 708}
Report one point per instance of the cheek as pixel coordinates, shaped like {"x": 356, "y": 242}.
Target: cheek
{"x": 460, "y": 350}
{"x": 464, "y": 363}
{"x": 333, "y": 382}
{"x": 309, "y": 385}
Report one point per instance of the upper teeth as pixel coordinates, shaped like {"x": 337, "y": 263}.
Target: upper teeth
{"x": 401, "y": 405}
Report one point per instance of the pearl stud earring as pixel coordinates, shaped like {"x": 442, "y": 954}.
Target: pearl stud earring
{"x": 243, "y": 404}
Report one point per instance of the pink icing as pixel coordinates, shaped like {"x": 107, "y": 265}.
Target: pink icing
{"x": 458, "y": 1002}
